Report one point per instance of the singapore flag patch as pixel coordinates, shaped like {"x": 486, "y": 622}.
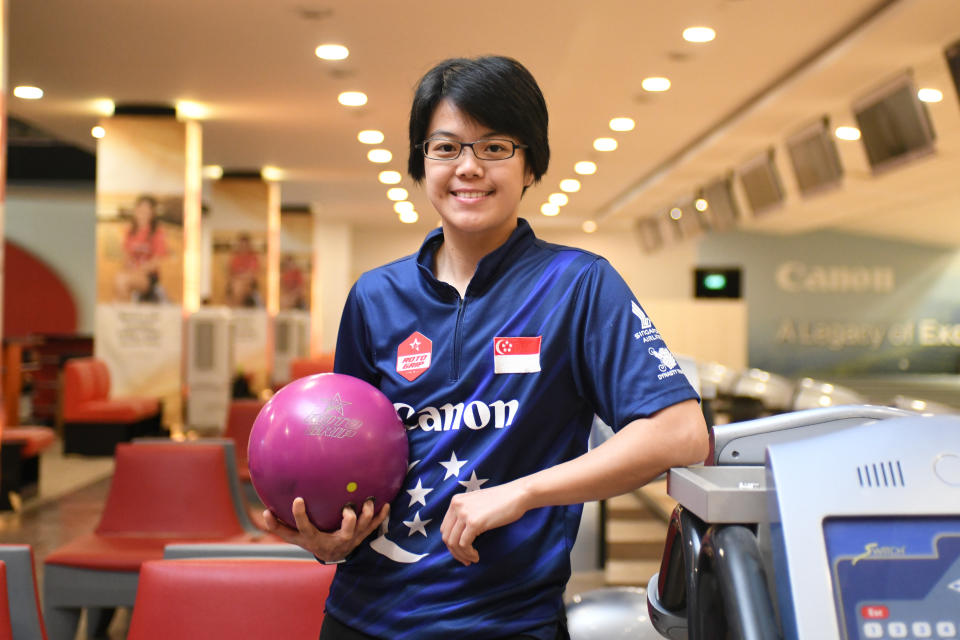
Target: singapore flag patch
{"x": 516, "y": 355}
{"x": 413, "y": 356}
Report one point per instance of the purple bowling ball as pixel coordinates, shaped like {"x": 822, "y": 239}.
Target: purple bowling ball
{"x": 332, "y": 440}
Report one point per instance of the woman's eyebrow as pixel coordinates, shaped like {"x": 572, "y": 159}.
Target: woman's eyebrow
{"x": 449, "y": 134}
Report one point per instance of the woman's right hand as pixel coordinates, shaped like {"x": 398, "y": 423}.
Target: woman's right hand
{"x": 333, "y": 546}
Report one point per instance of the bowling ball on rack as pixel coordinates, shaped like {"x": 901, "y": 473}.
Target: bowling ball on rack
{"x": 331, "y": 439}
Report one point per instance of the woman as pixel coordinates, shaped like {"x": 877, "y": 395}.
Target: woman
{"x": 527, "y": 341}
{"x": 144, "y": 246}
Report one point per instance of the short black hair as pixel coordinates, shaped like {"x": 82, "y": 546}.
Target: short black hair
{"x": 496, "y": 91}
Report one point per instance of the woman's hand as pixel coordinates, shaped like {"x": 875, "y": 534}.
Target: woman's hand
{"x": 328, "y": 547}
{"x": 474, "y": 512}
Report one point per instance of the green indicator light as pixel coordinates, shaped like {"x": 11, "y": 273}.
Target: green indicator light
{"x": 715, "y": 281}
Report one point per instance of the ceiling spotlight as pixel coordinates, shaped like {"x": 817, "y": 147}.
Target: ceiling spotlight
{"x": 930, "y": 95}
{"x": 98, "y": 132}
{"x": 570, "y": 185}
{"x": 28, "y": 93}
{"x": 104, "y": 106}
{"x": 403, "y": 207}
{"x": 701, "y": 204}
{"x": 332, "y": 52}
{"x": 622, "y": 124}
{"x": 549, "y": 209}
{"x": 559, "y": 199}
{"x": 604, "y": 144}
{"x": 389, "y": 177}
{"x": 655, "y": 84}
{"x": 380, "y": 156}
{"x": 699, "y": 34}
{"x": 352, "y": 98}
{"x": 213, "y": 172}
{"x": 397, "y": 193}
{"x": 409, "y": 217}
{"x": 370, "y": 136}
{"x": 676, "y": 213}
{"x": 847, "y": 133}
{"x": 585, "y": 168}
{"x": 271, "y": 174}
{"x": 189, "y": 110}
{"x": 589, "y": 226}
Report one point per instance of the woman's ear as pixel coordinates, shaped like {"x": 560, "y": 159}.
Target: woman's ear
{"x": 528, "y": 177}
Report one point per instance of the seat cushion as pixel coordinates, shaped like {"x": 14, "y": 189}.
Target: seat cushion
{"x": 36, "y": 439}
{"x": 115, "y": 410}
{"x": 121, "y": 553}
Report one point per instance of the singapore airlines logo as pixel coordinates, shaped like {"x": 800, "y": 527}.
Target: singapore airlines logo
{"x": 415, "y": 524}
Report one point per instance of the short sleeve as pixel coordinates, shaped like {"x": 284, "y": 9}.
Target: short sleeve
{"x": 354, "y": 353}
{"x": 620, "y": 361}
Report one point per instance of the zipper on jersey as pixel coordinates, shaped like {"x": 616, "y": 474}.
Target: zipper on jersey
{"x": 457, "y": 340}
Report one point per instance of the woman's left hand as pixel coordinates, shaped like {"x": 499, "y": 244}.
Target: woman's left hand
{"x": 474, "y": 512}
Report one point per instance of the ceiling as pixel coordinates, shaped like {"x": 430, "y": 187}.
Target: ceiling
{"x": 775, "y": 65}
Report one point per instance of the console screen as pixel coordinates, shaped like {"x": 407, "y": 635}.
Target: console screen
{"x": 895, "y": 577}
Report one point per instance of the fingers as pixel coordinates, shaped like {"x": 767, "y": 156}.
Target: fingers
{"x": 304, "y": 525}
{"x": 459, "y": 537}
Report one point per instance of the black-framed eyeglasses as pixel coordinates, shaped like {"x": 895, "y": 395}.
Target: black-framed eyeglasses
{"x": 486, "y": 149}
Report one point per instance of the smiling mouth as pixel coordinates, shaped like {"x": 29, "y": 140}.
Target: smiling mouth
{"x": 471, "y": 195}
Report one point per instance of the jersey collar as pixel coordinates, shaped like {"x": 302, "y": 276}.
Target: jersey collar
{"x": 489, "y": 267}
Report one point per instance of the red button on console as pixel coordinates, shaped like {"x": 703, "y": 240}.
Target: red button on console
{"x": 874, "y": 612}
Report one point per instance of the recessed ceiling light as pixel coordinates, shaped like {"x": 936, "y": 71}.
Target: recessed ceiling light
{"x": 930, "y": 95}
{"x": 604, "y": 144}
{"x": 699, "y": 34}
{"x": 409, "y": 217}
{"x": 701, "y": 204}
{"x": 352, "y": 98}
{"x": 332, "y": 52}
{"x": 397, "y": 193}
{"x": 272, "y": 174}
{"x": 655, "y": 84}
{"x": 213, "y": 172}
{"x": 380, "y": 156}
{"x": 559, "y": 199}
{"x": 676, "y": 213}
{"x": 847, "y": 133}
{"x": 189, "y": 110}
{"x": 98, "y": 132}
{"x": 390, "y": 177}
{"x": 370, "y": 136}
{"x": 570, "y": 185}
{"x": 28, "y": 93}
{"x": 622, "y": 124}
{"x": 403, "y": 207}
{"x": 104, "y": 106}
{"x": 549, "y": 209}
{"x": 585, "y": 168}
{"x": 589, "y": 226}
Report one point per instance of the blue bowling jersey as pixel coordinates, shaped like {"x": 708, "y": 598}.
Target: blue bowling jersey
{"x": 493, "y": 386}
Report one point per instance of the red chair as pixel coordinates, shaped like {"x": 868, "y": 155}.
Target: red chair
{"x": 6, "y": 629}
{"x": 27, "y": 443}
{"x": 223, "y": 599}
{"x": 240, "y": 417}
{"x": 160, "y": 494}
{"x": 93, "y": 422}
{"x": 302, "y": 367}
{"x": 23, "y": 613}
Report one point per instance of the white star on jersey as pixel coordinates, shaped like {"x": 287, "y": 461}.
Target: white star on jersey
{"x": 474, "y": 483}
{"x": 418, "y": 493}
{"x": 417, "y": 525}
{"x": 452, "y": 466}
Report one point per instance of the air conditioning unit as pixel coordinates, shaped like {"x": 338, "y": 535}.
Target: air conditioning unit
{"x": 291, "y": 340}
{"x": 210, "y": 339}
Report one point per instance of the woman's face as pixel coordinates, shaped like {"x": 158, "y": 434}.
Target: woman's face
{"x": 472, "y": 195}
{"x": 143, "y": 214}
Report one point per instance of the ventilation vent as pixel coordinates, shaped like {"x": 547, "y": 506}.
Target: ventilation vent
{"x": 881, "y": 474}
